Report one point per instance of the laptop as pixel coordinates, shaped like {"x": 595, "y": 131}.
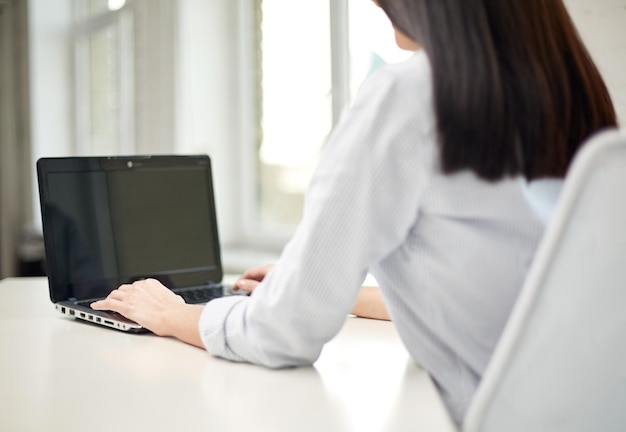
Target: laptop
{"x": 109, "y": 221}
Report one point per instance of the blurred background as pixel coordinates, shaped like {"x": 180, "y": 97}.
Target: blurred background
{"x": 256, "y": 84}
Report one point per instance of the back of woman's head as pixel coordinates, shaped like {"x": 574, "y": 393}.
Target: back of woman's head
{"x": 515, "y": 90}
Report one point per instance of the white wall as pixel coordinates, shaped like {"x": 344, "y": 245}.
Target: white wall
{"x": 602, "y": 25}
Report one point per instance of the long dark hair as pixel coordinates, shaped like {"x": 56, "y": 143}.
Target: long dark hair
{"x": 515, "y": 90}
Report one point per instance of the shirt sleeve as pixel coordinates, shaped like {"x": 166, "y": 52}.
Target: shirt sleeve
{"x": 361, "y": 203}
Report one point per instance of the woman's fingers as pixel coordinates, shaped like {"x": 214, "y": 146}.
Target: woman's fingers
{"x": 246, "y": 284}
{"x": 251, "y": 278}
{"x": 257, "y": 273}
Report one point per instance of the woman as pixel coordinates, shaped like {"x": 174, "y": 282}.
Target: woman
{"x": 428, "y": 183}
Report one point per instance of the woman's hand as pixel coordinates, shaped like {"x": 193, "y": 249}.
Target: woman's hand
{"x": 251, "y": 278}
{"x": 155, "y": 307}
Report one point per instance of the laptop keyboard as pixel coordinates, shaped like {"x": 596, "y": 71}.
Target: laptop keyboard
{"x": 201, "y": 295}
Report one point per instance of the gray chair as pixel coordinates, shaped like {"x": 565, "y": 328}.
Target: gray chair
{"x": 560, "y": 364}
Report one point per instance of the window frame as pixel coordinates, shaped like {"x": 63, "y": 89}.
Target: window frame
{"x": 252, "y": 233}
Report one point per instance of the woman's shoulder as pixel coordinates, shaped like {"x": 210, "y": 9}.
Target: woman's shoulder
{"x": 403, "y": 88}
{"x": 395, "y": 106}
{"x": 413, "y": 73}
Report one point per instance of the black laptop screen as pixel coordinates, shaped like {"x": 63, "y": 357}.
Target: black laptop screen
{"x": 114, "y": 222}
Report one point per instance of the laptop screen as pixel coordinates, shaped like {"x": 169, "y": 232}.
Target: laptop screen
{"x": 109, "y": 221}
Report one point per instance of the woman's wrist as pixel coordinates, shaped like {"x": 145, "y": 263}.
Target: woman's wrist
{"x": 181, "y": 322}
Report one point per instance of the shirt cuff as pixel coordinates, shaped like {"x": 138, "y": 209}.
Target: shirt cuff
{"x": 212, "y": 326}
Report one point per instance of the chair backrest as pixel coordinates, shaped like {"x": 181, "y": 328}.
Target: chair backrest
{"x": 560, "y": 364}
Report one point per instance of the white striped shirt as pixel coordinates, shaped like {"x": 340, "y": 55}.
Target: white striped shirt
{"x": 450, "y": 252}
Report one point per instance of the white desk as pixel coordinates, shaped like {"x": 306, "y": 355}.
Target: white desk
{"x": 60, "y": 374}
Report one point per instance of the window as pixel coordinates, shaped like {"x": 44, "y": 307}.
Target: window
{"x": 310, "y": 58}
{"x": 295, "y": 104}
{"x": 103, "y": 60}
{"x": 256, "y": 84}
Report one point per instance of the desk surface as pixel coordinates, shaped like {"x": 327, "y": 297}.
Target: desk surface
{"x": 57, "y": 373}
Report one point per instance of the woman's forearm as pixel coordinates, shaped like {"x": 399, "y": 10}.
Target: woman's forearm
{"x": 369, "y": 304}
